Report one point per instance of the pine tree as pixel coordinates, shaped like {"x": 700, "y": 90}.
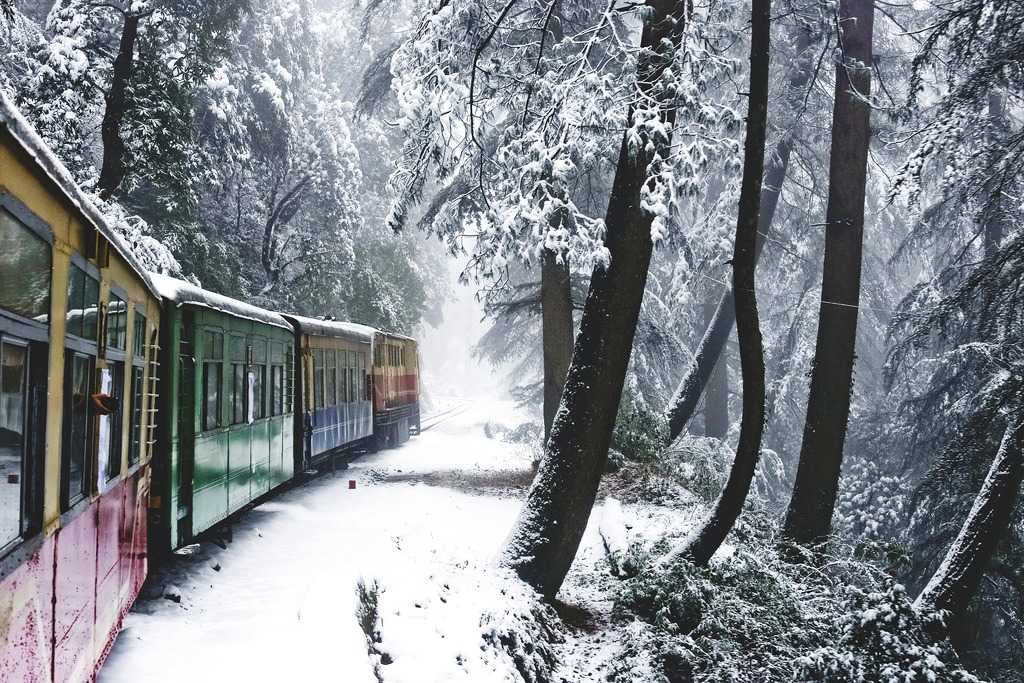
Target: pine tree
{"x": 809, "y": 517}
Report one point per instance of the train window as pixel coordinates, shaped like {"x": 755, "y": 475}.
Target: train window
{"x": 13, "y": 438}
{"x": 24, "y": 270}
{"x": 211, "y": 394}
{"x": 287, "y": 379}
{"x": 83, "y": 300}
{"x": 331, "y": 372}
{"x": 362, "y": 376}
{"x": 238, "y": 349}
{"x": 111, "y": 385}
{"x": 239, "y": 392}
{"x": 138, "y": 396}
{"x": 259, "y": 391}
{"x": 117, "y": 323}
{"x": 139, "y": 335}
{"x": 214, "y": 346}
{"x": 276, "y": 390}
{"x": 78, "y": 383}
{"x": 318, "y": 378}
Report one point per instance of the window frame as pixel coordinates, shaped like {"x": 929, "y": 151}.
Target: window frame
{"x": 90, "y": 271}
{"x": 210, "y": 334}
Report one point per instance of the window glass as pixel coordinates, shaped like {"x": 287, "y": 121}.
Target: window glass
{"x": 214, "y": 345}
{"x": 24, "y": 270}
{"x": 361, "y": 379}
{"x": 13, "y": 402}
{"x": 238, "y": 393}
{"x": 211, "y": 394}
{"x": 138, "y": 396}
{"x": 332, "y": 388}
{"x": 77, "y": 415}
{"x": 318, "y": 378}
{"x": 276, "y": 390}
{"x": 259, "y": 390}
{"x": 139, "y": 335}
{"x": 111, "y": 383}
{"x": 83, "y": 299}
{"x": 238, "y": 349}
{"x": 117, "y": 323}
{"x": 287, "y": 381}
{"x": 350, "y": 376}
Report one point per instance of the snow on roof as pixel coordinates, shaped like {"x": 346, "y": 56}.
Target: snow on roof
{"x": 333, "y": 328}
{"x": 26, "y": 137}
{"x": 395, "y": 335}
{"x": 182, "y": 293}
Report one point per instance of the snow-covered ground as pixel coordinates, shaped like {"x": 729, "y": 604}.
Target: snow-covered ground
{"x": 279, "y": 602}
{"x": 423, "y": 523}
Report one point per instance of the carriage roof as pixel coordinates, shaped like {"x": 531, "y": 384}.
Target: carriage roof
{"x": 185, "y": 293}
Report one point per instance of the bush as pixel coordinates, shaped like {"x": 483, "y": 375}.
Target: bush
{"x": 640, "y": 433}
{"x": 884, "y": 639}
{"x": 751, "y": 616}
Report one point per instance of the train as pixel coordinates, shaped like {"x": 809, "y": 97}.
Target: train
{"x": 139, "y": 411}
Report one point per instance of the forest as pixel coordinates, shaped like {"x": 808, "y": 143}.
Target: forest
{"x": 759, "y": 261}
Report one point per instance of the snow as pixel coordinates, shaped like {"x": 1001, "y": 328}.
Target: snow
{"x": 421, "y": 531}
{"x": 283, "y": 604}
{"x": 181, "y": 293}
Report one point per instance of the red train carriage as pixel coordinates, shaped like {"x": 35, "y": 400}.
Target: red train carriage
{"x": 78, "y": 323}
{"x": 396, "y": 388}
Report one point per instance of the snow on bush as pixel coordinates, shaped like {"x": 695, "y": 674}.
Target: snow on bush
{"x": 884, "y": 639}
{"x": 752, "y": 616}
{"x": 468, "y": 624}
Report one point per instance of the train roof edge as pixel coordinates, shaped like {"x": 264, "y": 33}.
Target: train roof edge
{"x": 332, "y": 328}
{"x": 26, "y": 137}
{"x": 182, "y": 293}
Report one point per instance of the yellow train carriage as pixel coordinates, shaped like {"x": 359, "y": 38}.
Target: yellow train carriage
{"x": 78, "y": 326}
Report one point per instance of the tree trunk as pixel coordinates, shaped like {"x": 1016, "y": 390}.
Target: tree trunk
{"x": 556, "y": 320}
{"x": 716, "y": 398}
{"x": 994, "y": 215}
{"x": 544, "y": 540}
{"x": 703, "y": 543}
{"x": 112, "y": 171}
{"x": 956, "y": 580}
{"x": 683, "y": 405}
{"x": 809, "y": 518}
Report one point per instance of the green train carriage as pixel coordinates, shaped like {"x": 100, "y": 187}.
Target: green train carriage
{"x": 226, "y": 431}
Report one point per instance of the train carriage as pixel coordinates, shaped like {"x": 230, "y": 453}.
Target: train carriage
{"x": 78, "y": 325}
{"x": 226, "y": 429}
{"x": 332, "y": 388}
{"x": 396, "y": 388}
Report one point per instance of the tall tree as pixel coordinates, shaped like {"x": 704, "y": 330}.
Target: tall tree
{"x": 544, "y": 540}
{"x": 716, "y": 397}
{"x": 956, "y": 580}
{"x": 684, "y": 403}
{"x": 809, "y": 517}
{"x": 557, "y": 329}
{"x": 707, "y": 538}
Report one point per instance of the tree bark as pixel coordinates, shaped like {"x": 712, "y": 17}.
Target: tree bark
{"x": 994, "y": 215}
{"x": 716, "y": 397}
{"x": 703, "y": 543}
{"x": 544, "y": 540}
{"x": 957, "y": 578}
{"x": 684, "y": 403}
{"x": 113, "y": 170}
{"x": 556, "y": 320}
{"x": 809, "y": 518}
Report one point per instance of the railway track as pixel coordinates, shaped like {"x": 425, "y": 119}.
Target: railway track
{"x": 437, "y": 418}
